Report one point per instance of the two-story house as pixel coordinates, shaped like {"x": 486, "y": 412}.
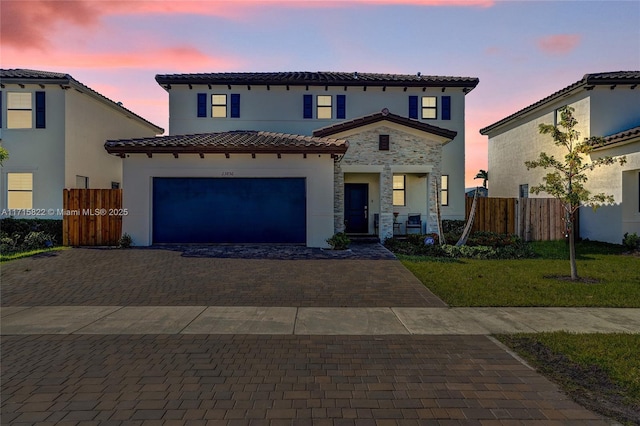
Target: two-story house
{"x": 54, "y": 129}
{"x": 293, "y": 157}
{"x": 606, "y": 104}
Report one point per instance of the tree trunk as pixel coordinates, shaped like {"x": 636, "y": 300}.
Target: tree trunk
{"x": 572, "y": 247}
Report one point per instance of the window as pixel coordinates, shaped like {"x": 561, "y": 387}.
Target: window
{"x": 444, "y": 190}
{"x": 324, "y": 108}
{"x": 218, "y": 106}
{"x": 19, "y": 110}
{"x": 399, "y": 193}
{"x": 524, "y": 191}
{"x": 383, "y": 142}
{"x": 20, "y": 190}
{"x": 82, "y": 182}
{"x": 429, "y": 107}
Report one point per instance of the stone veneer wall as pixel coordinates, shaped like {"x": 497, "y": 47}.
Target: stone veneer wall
{"x": 406, "y": 148}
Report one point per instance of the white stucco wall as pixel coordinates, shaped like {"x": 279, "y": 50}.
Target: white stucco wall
{"x": 281, "y": 110}
{"x": 36, "y": 151}
{"x": 89, "y": 124}
{"x": 522, "y": 141}
{"x": 601, "y": 111}
{"x": 139, "y": 171}
{"x": 609, "y": 222}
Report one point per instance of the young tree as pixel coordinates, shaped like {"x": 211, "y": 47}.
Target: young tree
{"x": 566, "y": 181}
{"x": 484, "y": 175}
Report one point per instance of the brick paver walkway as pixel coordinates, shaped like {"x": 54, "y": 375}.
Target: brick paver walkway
{"x": 274, "y": 380}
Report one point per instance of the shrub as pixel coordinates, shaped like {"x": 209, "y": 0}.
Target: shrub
{"x": 125, "y": 241}
{"x": 495, "y": 246}
{"x": 18, "y": 229}
{"x": 37, "y": 240}
{"x": 339, "y": 241}
{"x": 631, "y": 242}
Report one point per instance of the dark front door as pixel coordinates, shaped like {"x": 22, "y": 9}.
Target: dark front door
{"x": 356, "y": 197}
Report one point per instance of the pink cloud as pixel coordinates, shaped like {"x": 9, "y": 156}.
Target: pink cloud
{"x": 559, "y": 44}
{"x": 30, "y": 24}
{"x": 179, "y": 58}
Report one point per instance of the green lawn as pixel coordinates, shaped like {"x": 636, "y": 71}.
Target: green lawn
{"x": 614, "y": 280}
{"x": 20, "y": 255}
{"x": 600, "y": 371}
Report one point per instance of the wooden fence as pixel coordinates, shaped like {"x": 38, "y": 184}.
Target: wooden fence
{"x": 92, "y": 217}
{"x": 532, "y": 219}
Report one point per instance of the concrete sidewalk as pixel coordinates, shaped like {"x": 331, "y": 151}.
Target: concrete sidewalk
{"x": 115, "y": 320}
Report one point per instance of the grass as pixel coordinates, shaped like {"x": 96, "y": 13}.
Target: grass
{"x": 601, "y": 371}
{"x": 614, "y": 279}
{"x": 20, "y": 255}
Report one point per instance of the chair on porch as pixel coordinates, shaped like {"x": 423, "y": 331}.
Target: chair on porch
{"x": 414, "y": 222}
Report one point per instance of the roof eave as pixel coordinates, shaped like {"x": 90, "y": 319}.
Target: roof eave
{"x": 338, "y": 149}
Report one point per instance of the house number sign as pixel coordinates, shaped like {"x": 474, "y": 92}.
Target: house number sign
{"x": 227, "y": 174}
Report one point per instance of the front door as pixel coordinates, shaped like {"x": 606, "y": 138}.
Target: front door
{"x": 356, "y": 216}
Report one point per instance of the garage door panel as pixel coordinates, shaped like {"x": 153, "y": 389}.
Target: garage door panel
{"x": 214, "y": 210}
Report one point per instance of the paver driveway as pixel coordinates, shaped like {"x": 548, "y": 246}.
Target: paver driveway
{"x": 254, "y": 379}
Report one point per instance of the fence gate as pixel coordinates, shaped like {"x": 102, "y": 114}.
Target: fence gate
{"x": 92, "y": 217}
{"x": 532, "y": 219}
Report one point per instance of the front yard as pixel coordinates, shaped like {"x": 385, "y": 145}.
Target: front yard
{"x": 600, "y": 371}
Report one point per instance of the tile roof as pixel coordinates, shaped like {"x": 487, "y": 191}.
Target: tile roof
{"x": 27, "y": 76}
{"x": 238, "y": 142}
{"x": 318, "y": 79}
{"x": 622, "y": 137}
{"x": 384, "y": 116}
{"x": 588, "y": 81}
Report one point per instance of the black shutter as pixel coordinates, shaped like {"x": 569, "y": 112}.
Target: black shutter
{"x": 235, "y": 105}
{"x": 446, "y": 107}
{"x": 41, "y": 121}
{"x": 341, "y": 110}
{"x": 307, "y": 106}
{"x": 202, "y": 104}
{"x": 413, "y": 107}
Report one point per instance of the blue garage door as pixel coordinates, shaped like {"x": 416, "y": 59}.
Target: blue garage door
{"x": 214, "y": 210}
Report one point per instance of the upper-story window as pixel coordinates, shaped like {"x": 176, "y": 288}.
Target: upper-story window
{"x": 324, "y": 107}
{"x": 19, "y": 110}
{"x": 221, "y": 105}
{"x": 218, "y": 106}
{"x": 430, "y": 107}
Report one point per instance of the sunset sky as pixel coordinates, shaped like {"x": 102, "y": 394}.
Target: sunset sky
{"x": 521, "y": 51}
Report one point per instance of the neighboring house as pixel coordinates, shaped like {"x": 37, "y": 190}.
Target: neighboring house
{"x": 54, "y": 129}
{"x": 293, "y": 157}
{"x": 606, "y": 104}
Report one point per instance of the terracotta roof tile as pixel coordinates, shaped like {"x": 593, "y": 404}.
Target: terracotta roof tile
{"x": 381, "y": 116}
{"x": 318, "y": 79}
{"x": 247, "y": 142}
{"x": 622, "y": 137}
